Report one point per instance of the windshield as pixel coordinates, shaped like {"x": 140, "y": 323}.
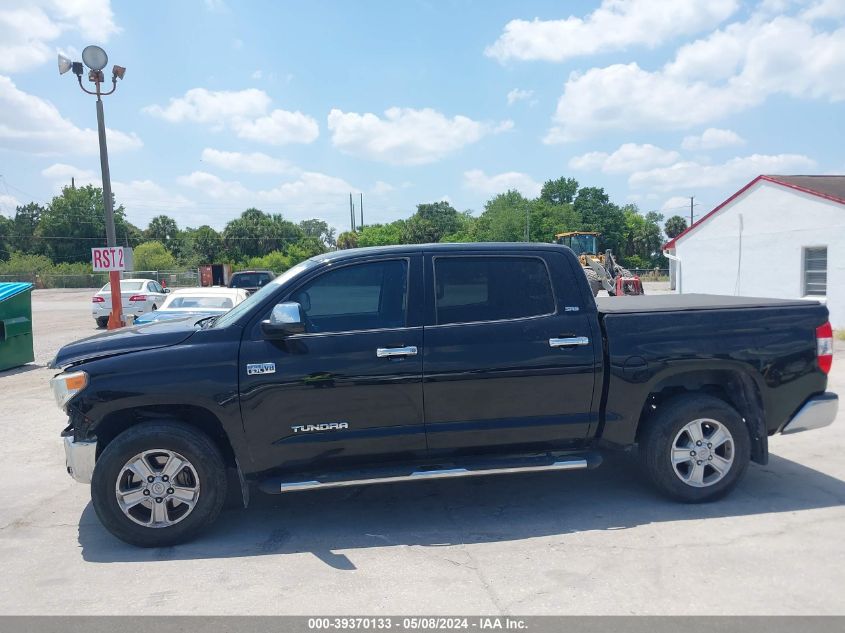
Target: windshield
{"x": 125, "y": 285}
{"x": 199, "y": 302}
{"x": 254, "y": 299}
{"x": 249, "y": 280}
{"x": 583, "y": 244}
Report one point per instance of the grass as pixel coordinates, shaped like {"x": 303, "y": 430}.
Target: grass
{"x": 840, "y": 334}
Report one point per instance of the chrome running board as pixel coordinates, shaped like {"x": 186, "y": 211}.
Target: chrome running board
{"x": 337, "y": 480}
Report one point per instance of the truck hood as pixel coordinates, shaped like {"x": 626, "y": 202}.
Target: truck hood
{"x": 125, "y": 340}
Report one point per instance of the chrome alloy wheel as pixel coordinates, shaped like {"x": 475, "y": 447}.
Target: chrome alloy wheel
{"x": 157, "y": 488}
{"x": 702, "y": 453}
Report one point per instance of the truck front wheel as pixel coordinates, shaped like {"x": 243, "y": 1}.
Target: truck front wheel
{"x": 696, "y": 448}
{"x": 158, "y": 484}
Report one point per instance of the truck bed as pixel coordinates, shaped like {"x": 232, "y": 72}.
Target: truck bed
{"x": 689, "y": 302}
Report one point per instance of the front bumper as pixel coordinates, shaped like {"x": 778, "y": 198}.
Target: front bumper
{"x": 79, "y": 459}
{"x": 817, "y": 412}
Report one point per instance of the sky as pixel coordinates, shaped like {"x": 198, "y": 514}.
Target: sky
{"x": 291, "y": 106}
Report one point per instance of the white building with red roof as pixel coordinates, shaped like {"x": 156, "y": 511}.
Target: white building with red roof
{"x": 778, "y": 236}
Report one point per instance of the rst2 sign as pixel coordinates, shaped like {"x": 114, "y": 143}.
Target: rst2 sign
{"x": 109, "y": 258}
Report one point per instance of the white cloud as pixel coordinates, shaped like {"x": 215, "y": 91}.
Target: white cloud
{"x": 213, "y": 186}
{"x": 254, "y": 163}
{"x": 62, "y": 173}
{"x": 675, "y": 205}
{"x": 615, "y": 25}
{"x": 627, "y": 158}
{"x": 519, "y": 95}
{"x": 406, "y": 136}
{"x": 213, "y": 106}
{"x": 280, "y": 127}
{"x": 381, "y": 188}
{"x": 477, "y": 180}
{"x": 691, "y": 175}
{"x": 712, "y": 138}
{"x": 729, "y": 71}
{"x": 310, "y": 189}
{"x": 34, "y": 125}
{"x": 29, "y": 27}
{"x": 246, "y": 112}
{"x": 142, "y": 199}
{"x": 8, "y": 204}
{"x": 257, "y": 74}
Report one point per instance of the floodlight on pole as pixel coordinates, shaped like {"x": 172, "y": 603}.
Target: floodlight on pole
{"x": 64, "y": 64}
{"x": 96, "y": 59}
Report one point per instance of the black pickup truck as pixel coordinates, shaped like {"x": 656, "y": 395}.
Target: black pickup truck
{"x": 418, "y": 362}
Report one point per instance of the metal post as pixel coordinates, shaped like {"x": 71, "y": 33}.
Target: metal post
{"x": 115, "y": 318}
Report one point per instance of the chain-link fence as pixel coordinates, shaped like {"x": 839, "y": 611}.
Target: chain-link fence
{"x": 169, "y": 278}
{"x": 651, "y": 274}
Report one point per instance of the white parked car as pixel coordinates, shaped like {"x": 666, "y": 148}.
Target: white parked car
{"x": 138, "y": 297}
{"x": 196, "y": 302}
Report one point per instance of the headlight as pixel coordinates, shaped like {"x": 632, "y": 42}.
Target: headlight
{"x": 66, "y": 386}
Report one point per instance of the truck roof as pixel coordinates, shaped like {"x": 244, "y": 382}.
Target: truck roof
{"x": 437, "y": 248}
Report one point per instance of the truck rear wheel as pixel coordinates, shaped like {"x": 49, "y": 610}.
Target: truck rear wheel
{"x": 158, "y": 484}
{"x": 696, "y": 448}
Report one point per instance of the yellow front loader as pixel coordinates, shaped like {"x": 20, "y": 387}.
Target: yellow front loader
{"x": 601, "y": 269}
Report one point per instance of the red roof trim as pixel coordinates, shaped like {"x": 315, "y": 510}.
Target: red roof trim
{"x": 773, "y": 179}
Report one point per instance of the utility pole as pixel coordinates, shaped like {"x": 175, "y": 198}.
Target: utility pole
{"x": 691, "y": 205}
{"x": 362, "y": 210}
{"x": 351, "y": 213}
{"x": 527, "y": 223}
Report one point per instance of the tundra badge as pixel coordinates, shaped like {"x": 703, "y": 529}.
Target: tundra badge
{"x": 260, "y": 368}
{"x": 326, "y": 426}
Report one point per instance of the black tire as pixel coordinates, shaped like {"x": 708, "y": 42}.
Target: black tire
{"x": 657, "y": 439}
{"x": 593, "y": 280}
{"x": 155, "y": 307}
{"x": 102, "y": 321}
{"x": 195, "y": 446}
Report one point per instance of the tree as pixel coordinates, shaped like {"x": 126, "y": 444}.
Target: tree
{"x": 153, "y": 256}
{"x": 256, "y": 233}
{"x": 6, "y": 228}
{"x": 347, "y": 239}
{"x": 503, "y": 218}
{"x": 74, "y": 221}
{"x": 441, "y": 216}
{"x": 163, "y": 229}
{"x": 560, "y": 191}
{"x": 675, "y": 226}
{"x": 318, "y": 229}
{"x": 382, "y": 234}
{"x": 599, "y": 214}
{"x": 205, "y": 245}
{"x": 25, "y": 223}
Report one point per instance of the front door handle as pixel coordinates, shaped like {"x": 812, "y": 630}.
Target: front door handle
{"x": 570, "y": 341}
{"x": 388, "y": 352}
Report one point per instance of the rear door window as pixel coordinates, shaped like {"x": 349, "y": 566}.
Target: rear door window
{"x": 491, "y": 288}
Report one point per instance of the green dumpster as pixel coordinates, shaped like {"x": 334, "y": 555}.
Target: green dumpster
{"x": 15, "y": 325}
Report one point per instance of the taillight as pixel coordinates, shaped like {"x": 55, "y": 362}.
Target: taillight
{"x": 824, "y": 347}
{"x": 98, "y": 300}
{"x": 138, "y": 298}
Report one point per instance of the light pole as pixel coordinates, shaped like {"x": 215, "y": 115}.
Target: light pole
{"x": 96, "y": 59}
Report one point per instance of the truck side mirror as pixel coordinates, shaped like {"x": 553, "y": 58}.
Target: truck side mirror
{"x": 285, "y": 319}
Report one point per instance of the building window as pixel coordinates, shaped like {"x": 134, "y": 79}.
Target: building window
{"x": 815, "y": 271}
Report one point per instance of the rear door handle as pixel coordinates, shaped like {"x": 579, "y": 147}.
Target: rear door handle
{"x": 388, "y": 352}
{"x": 570, "y": 341}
